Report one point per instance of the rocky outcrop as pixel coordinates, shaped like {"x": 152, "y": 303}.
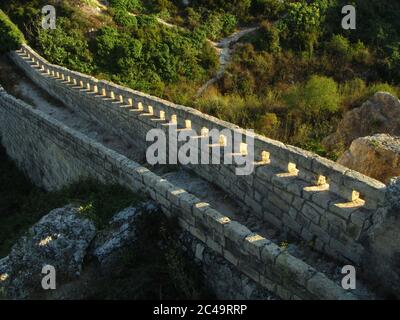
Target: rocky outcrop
{"x": 64, "y": 239}
{"x": 380, "y": 114}
{"x": 377, "y": 156}
{"x": 110, "y": 243}
{"x": 59, "y": 239}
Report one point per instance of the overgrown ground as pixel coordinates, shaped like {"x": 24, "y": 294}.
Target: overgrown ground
{"x": 155, "y": 267}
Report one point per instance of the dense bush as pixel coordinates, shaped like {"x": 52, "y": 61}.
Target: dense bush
{"x": 168, "y": 55}
{"x": 126, "y": 5}
{"x": 66, "y": 45}
{"x": 10, "y": 36}
{"x": 217, "y": 24}
{"x": 123, "y": 18}
{"x": 319, "y": 94}
{"x": 301, "y": 26}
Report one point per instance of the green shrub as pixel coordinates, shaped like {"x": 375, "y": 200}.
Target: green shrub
{"x": 214, "y": 25}
{"x": 123, "y": 18}
{"x": 301, "y": 26}
{"x": 66, "y": 45}
{"x": 229, "y": 23}
{"x": 320, "y": 94}
{"x": 126, "y": 5}
{"x": 384, "y": 87}
{"x": 10, "y": 36}
{"x": 193, "y": 18}
{"x": 339, "y": 46}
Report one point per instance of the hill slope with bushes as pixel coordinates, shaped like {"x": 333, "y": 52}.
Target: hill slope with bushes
{"x": 292, "y": 79}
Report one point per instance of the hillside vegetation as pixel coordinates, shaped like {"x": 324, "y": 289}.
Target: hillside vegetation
{"x": 291, "y": 80}
{"x": 10, "y": 36}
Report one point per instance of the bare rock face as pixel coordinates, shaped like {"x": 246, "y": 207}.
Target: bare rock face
{"x": 60, "y": 239}
{"x": 109, "y": 244}
{"x": 380, "y": 114}
{"x": 66, "y": 240}
{"x": 377, "y": 156}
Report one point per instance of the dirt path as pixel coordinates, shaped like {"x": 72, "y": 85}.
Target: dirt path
{"x": 224, "y": 48}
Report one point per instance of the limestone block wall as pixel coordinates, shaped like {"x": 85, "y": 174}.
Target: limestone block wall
{"x": 311, "y": 197}
{"x": 53, "y": 155}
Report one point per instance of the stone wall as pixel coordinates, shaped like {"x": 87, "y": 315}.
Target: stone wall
{"x": 53, "y": 155}
{"x": 311, "y": 197}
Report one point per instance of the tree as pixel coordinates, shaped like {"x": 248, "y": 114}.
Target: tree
{"x": 301, "y": 25}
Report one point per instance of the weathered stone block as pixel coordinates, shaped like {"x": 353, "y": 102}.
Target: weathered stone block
{"x": 230, "y": 257}
{"x": 216, "y": 220}
{"x": 187, "y": 202}
{"x": 283, "y": 293}
{"x": 254, "y": 243}
{"x": 236, "y": 232}
{"x": 325, "y": 289}
{"x": 271, "y": 218}
{"x": 302, "y": 220}
{"x": 198, "y": 234}
{"x": 294, "y": 269}
{"x": 269, "y": 253}
{"x": 291, "y": 224}
{"x": 298, "y": 203}
{"x": 247, "y": 269}
{"x": 323, "y": 199}
{"x": 311, "y": 213}
{"x": 267, "y": 283}
{"x": 174, "y": 195}
{"x": 320, "y": 233}
{"x": 214, "y": 246}
{"x": 278, "y": 202}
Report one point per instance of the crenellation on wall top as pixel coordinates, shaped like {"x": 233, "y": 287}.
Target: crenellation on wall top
{"x": 309, "y": 165}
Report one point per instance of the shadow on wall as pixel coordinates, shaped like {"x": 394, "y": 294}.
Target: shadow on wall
{"x": 383, "y": 245}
